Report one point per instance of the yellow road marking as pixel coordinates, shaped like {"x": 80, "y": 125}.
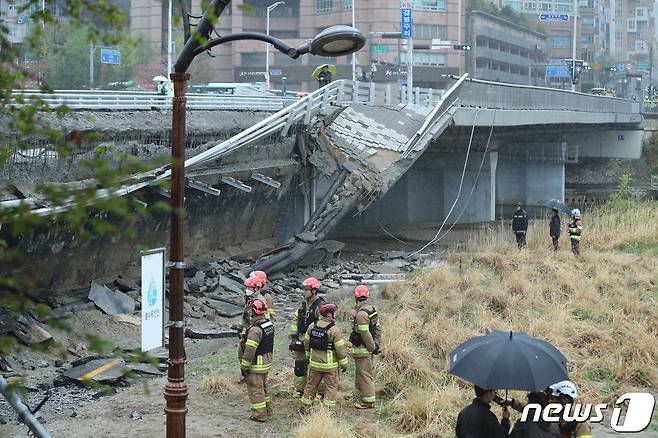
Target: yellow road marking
{"x": 97, "y": 371}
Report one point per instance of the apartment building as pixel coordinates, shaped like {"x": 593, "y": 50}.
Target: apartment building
{"x": 299, "y": 20}
{"x": 504, "y": 51}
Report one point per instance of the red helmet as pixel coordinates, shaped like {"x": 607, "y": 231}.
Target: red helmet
{"x": 254, "y": 281}
{"x": 258, "y": 307}
{"x": 311, "y": 282}
{"x": 361, "y": 291}
{"x": 260, "y": 274}
{"x": 328, "y": 308}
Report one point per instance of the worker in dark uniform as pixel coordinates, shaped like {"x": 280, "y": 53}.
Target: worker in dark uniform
{"x": 554, "y": 228}
{"x": 477, "y": 420}
{"x": 520, "y": 226}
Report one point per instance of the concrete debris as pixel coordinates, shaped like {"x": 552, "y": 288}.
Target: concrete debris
{"x": 307, "y": 237}
{"x": 29, "y": 331}
{"x": 8, "y": 363}
{"x": 196, "y": 284}
{"x": 231, "y": 285}
{"x": 136, "y": 415}
{"x": 195, "y": 333}
{"x": 108, "y": 371}
{"x": 125, "y": 284}
{"x": 110, "y": 301}
{"x": 145, "y": 369}
{"x": 224, "y": 308}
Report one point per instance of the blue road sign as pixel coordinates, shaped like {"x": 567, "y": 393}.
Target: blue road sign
{"x": 405, "y": 23}
{"x": 621, "y": 66}
{"x": 110, "y": 56}
{"x": 554, "y": 17}
{"x": 276, "y": 72}
{"x": 558, "y": 71}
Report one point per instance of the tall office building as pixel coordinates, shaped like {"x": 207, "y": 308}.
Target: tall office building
{"x": 299, "y": 20}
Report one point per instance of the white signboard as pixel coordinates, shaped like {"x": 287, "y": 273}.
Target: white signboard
{"x": 153, "y": 274}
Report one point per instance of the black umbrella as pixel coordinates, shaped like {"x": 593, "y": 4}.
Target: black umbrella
{"x": 557, "y": 204}
{"x": 506, "y": 360}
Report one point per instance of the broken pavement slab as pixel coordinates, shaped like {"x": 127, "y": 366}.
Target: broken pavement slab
{"x": 110, "y": 301}
{"x": 197, "y": 333}
{"x": 29, "y": 331}
{"x": 231, "y": 285}
{"x": 224, "y": 308}
{"x": 108, "y": 371}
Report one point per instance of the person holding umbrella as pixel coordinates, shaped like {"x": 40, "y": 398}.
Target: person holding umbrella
{"x": 502, "y": 360}
{"x": 477, "y": 420}
{"x": 324, "y": 74}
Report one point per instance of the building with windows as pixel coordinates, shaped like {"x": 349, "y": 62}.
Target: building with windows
{"x": 504, "y": 51}
{"x": 299, "y": 20}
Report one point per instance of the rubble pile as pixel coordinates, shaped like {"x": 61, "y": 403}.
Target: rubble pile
{"x": 213, "y": 303}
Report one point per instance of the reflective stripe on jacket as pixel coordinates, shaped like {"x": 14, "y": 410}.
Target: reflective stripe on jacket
{"x": 575, "y": 230}
{"x": 251, "y": 361}
{"x": 332, "y": 358}
{"x": 365, "y": 342}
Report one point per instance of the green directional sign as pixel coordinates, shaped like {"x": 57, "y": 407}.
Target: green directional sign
{"x": 642, "y": 66}
{"x": 380, "y": 48}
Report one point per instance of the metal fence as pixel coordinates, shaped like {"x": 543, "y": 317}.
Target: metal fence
{"x": 117, "y": 100}
{"x": 474, "y": 93}
{"x": 485, "y": 94}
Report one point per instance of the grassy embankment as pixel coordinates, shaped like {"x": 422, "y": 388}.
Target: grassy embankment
{"x": 600, "y": 310}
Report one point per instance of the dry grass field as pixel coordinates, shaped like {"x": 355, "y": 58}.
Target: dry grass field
{"x": 600, "y": 310}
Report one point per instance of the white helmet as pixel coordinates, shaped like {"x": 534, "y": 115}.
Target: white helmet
{"x": 564, "y": 387}
{"x": 575, "y": 213}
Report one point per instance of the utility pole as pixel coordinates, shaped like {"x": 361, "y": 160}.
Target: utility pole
{"x": 91, "y": 65}
{"x": 410, "y": 70}
{"x": 267, "y": 45}
{"x": 169, "y": 41}
{"x": 573, "y": 46}
{"x": 354, "y": 54}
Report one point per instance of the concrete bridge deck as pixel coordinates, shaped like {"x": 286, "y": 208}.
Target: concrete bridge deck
{"x": 365, "y": 149}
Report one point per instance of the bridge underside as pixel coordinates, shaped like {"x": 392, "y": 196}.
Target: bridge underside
{"x": 357, "y": 168}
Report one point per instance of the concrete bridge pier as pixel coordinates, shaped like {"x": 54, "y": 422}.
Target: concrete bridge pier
{"x": 530, "y": 173}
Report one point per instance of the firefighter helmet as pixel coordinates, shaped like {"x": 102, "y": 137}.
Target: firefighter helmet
{"x": 361, "y": 291}
{"x": 254, "y": 281}
{"x": 564, "y": 387}
{"x": 260, "y": 274}
{"x": 328, "y": 308}
{"x": 258, "y": 307}
{"x": 312, "y": 283}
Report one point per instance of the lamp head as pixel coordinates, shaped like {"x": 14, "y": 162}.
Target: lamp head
{"x": 337, "y": 40}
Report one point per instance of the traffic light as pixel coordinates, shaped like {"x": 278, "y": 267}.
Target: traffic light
{"x": 462, "y": 47}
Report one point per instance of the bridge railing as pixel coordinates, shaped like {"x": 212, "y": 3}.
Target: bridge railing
{"x": 497, "y": 95}
{"x": 121, "y": 100}
{"x": 475, "y": 93}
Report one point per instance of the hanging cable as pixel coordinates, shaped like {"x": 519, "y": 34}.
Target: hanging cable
{"x": 461, "y": 184}
{"x": 477, "y": 177}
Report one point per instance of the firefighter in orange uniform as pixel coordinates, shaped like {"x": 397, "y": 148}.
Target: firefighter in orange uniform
{"x": 326, "y": 353}
{"x": 306, "y": 314}
{"x": 366, "y": 341}
{"x": 257, "y": 360}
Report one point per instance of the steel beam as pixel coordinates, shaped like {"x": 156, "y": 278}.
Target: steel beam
{"x": 206, "y": 188}
{"x": 265, "y": 180}
{"x": 235, "y": 183}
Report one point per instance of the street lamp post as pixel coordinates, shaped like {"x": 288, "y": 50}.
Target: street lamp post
{"x": 267, "y": 46}
{"x": 333, "y": 41}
